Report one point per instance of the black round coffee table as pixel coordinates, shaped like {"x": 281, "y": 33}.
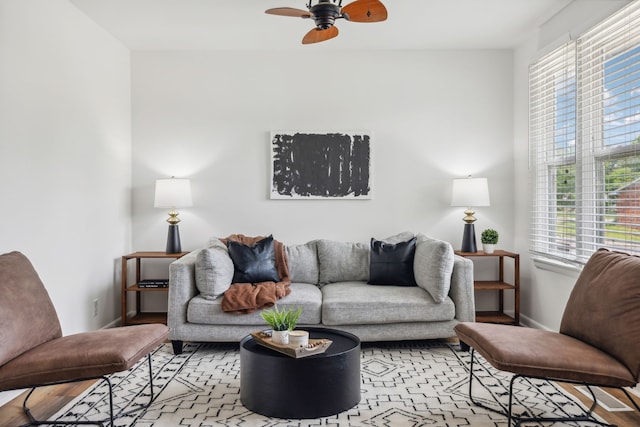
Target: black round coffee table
{"x": 277, "y": 385}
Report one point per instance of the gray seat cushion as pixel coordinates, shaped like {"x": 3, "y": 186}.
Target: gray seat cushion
{"x": 209, "y": 312}
{"x": 357, "y": 303}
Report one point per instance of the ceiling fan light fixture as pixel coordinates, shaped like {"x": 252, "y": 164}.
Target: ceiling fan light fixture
{"x": 325, "y": 14}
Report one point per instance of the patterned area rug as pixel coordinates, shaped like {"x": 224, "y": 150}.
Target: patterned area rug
{"x": 403, "y": 384}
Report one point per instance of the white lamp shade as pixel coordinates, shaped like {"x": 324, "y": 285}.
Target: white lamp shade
{"x": 470, "y": 192}
{"x": 173, "y": 193}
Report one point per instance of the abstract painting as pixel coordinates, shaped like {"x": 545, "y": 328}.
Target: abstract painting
{"x": 309, "y": 165}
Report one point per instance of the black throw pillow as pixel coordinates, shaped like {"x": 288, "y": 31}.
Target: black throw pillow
{"x": 392, "y": 264}
{"x": 255, "y": 263}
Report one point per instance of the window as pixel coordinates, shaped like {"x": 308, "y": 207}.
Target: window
{"x": 584, "y": 130}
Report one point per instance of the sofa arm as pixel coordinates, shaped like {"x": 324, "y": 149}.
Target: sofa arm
{"x": 182, "y": 288}
{"x": 461, "y": 291}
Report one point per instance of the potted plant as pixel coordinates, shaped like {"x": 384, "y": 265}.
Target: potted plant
{"x": 489, "y": 238}
{"x": 281, "y": 322}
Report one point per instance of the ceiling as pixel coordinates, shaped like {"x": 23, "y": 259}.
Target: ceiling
{"x": 242, "y": 24}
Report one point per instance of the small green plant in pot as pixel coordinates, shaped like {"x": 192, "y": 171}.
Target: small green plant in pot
{"x": 489, "y": 239}
{"x": 281, "y": 322}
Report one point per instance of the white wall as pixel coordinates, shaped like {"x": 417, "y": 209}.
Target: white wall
{"x": 65, "y": 141}
{"x": 434, "y": 115}
{"x": 65, "y": 154}
{"x": 544, "y": 292}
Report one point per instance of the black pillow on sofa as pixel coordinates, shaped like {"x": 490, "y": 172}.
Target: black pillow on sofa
{"x": 392, "y": 264}
{"x": 255, "y": 263}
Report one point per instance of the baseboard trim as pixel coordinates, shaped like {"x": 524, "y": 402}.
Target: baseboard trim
{"x": 527, "y": 321}
{"x": 113, "y": 324}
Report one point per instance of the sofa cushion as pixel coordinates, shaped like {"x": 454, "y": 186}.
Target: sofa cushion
{"x": 213, "y": 270}
{"x": 303, "y": 262}
{"x": 342, "y": 261}
{"x": 209, "y": 312}
{"x": 357, "y": 303}
{"x": 392, "y": 264}
{"x": 255, "y": 263}
{"x": 433, "y": 266}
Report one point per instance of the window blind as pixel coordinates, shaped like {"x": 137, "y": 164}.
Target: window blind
{"x": 552, "y": 134}
{"x": 585, "y": 139}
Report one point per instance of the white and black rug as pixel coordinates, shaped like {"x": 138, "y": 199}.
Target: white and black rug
{"x": 403, "y": 384}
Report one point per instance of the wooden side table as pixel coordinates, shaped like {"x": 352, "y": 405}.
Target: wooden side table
{"x": 500, "y": 285}
{"x": 142, "y": 317}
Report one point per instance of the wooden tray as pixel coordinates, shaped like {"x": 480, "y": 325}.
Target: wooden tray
{"x": 316, "y": 346}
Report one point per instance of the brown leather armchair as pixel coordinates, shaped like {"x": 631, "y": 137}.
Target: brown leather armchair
{"x": 598, "y": 343}
{"x": 33, "y": 352}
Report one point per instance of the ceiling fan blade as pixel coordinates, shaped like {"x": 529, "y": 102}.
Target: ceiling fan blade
{"x": 365, "y": 11}
{"x": 289, "y": 11}
{"x": 316, "y": 35}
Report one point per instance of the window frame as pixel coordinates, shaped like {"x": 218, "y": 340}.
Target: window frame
{"x": 586, "y": 59}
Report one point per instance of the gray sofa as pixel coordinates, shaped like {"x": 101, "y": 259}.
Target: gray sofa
{"x": 329, "y": 281}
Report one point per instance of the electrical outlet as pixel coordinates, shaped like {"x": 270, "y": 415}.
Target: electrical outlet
{"x": 95, "y": 307}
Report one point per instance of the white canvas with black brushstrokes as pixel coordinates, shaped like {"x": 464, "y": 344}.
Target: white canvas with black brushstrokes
{"x": 313, "y": 165}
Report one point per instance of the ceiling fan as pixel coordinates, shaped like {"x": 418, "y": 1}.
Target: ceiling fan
{"x": 325, "y": 12}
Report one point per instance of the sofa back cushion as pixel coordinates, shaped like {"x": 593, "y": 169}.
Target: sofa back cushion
{"x": 303, "y": 262}
{"x": 27, "y": 315}
{"x": 214, "y": 270}
{"x": 433, "y": 266}
{"x": 342, "y": 261}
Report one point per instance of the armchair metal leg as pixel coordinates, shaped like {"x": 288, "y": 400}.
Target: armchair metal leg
{"x": 503, "y": 410}
{"x": 507, "y": 411}
{"x": 109, "y": 421}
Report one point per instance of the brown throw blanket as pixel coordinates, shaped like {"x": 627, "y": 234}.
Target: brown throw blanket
{"x": 244, "y": 298}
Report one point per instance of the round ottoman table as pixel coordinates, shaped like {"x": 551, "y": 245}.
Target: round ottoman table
{"x": 277, "y": 385}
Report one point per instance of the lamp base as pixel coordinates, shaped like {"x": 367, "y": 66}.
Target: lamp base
{"x": 173, "y": 240}
{"x": 469, "y": 239}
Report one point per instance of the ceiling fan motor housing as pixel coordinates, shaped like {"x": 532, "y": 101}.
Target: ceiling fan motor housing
{"x": 324, "y": 14}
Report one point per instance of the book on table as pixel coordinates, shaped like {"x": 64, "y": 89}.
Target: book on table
{"x": 153, "y": 283}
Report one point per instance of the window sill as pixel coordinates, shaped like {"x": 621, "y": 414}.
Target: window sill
{"x": 556, "y": 266}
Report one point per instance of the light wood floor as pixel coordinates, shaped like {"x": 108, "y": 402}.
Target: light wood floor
{"x": 44, "y": 402}
{"x": 49, "y": 400}
{"x": 622, "y": 419}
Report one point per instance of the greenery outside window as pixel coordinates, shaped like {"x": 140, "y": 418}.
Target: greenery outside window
{"x": 584, "y": 131}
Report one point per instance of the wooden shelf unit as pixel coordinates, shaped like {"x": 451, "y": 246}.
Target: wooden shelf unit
{"x": 500, "y": 286}
{"x": 141, "y": 316}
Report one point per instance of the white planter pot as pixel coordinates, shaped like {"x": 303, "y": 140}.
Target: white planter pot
{"x": 488, "y": 248}
{"x": 280, "y": 337}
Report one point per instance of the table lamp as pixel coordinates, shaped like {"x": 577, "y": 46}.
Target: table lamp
{"x": 173, "y": 193}
{"x": 470, "y": 192}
